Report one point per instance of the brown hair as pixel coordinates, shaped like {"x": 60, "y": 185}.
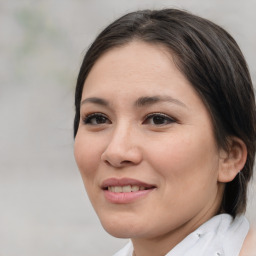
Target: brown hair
{"x": 213, "y": 63}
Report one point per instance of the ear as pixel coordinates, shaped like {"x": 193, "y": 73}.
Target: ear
{"x": 233, "y": 160}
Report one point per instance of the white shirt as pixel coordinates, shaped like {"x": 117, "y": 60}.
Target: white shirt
{"x": 219, "y": 236}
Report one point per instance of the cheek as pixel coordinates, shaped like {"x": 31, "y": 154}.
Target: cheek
{"x": 185, "y": 159}
{"x": 87, "y": 154}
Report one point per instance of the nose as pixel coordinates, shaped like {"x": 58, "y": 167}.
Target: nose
{"x": 123, "y": 148}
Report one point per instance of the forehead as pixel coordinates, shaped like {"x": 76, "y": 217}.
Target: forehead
{"x": 136, "y": 63}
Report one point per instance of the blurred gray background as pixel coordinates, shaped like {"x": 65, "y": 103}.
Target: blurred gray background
{"x": 43, "y": 206}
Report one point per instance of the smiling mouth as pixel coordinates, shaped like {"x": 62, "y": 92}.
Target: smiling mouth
{"x": 126, "y": 189}
{"x": 125, "y": 185}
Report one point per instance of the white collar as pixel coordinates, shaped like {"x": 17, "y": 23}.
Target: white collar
{"x": 219, "y": 236}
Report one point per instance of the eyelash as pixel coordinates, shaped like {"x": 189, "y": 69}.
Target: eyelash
{"x": 163, "y": 117}
{"x": 88, "y": 118}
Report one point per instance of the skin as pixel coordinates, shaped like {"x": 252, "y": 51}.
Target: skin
{"x": 178, "y": 154}
{"x": 249, "y": 246}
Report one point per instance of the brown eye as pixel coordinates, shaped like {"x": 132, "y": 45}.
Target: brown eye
{"x": 158, "y": 119}
{"x": 96, "y": 119}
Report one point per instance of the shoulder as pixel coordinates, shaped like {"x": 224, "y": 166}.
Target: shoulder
{"x": 249, "y": 246}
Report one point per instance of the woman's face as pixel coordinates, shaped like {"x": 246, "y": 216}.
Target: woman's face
{"x": 145, "y": 145}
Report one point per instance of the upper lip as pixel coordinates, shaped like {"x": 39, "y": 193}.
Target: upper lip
{"x": 124, "y": 182}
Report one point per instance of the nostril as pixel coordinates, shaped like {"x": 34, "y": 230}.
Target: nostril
{"x": 107, "y": 162}
{"x": 126, "y": 162}
{"x": 118, "y": 164}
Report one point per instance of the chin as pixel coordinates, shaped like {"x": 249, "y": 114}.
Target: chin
{"x": 119, "y": 231}
{"x": 121, "y": 227}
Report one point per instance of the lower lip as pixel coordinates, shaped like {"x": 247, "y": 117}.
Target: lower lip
{"x": 125, "y": 198}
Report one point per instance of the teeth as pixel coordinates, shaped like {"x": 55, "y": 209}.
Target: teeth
{"x": 135, "y": 188}
{"x": 125, "y": 189}
{"x": 118, "y": 189}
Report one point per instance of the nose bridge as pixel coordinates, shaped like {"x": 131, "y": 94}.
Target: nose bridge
{"x": 122, "y": 134}
{"x": 123, "y": 147}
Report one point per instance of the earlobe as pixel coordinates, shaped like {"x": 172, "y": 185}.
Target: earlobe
{"x": 233, "y": 160}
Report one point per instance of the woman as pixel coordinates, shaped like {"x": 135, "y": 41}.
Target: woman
{"x": 165, "y": 134}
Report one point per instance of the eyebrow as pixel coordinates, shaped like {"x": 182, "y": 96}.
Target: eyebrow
{"x": 95, "y": 100}
{"x": 144, "y": 101}
{"x": 140, "y": 102}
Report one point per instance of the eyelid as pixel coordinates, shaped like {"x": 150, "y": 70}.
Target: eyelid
{"x": 160, "y": 114}
{"x": 95, "y": 113}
